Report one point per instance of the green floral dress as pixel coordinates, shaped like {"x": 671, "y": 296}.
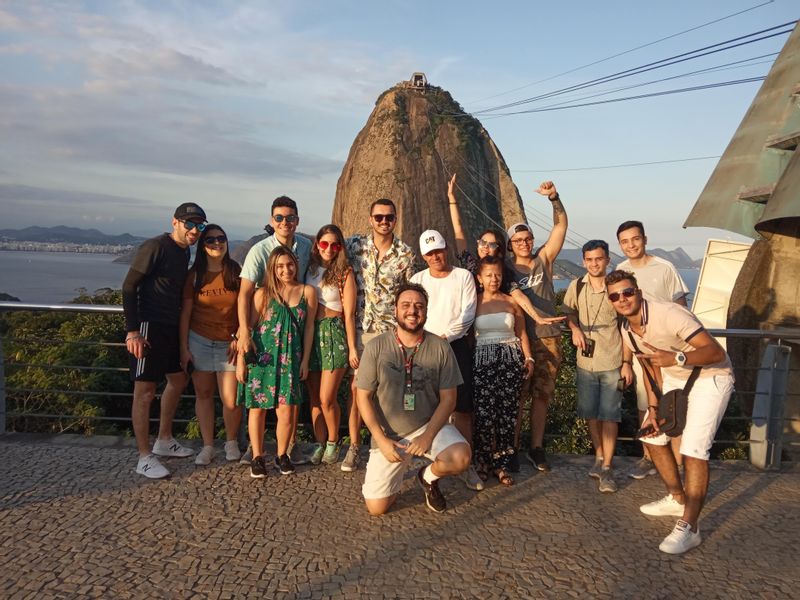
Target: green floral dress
{"x": 274, "y": 379}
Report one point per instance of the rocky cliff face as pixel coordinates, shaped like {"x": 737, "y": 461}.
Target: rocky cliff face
{"x": 412, "y": 143}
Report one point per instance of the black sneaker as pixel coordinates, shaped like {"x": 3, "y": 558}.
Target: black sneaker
{"x": 433, "y": 496}
{"x": 258, "y": 470}
{"x": 539, "y": 459}
{"x": 284, "y": 465}
{"x": 513, "y": 463}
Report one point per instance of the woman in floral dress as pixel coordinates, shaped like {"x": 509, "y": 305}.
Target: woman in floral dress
{"x": 271, "y": 374}
{"x": 334, "y": 347}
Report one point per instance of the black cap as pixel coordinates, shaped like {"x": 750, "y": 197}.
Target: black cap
{"x": 189, "y": 210}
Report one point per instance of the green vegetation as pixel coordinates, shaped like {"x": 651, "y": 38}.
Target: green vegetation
{"x": 46, "y": 354}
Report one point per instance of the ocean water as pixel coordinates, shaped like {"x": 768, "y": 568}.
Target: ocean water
{"x": 54, "y": 277}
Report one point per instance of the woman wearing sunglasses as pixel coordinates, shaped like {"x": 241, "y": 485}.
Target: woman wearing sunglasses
{"x": 208, "y": 320}
{"x": 491, "y": 242}
{"x": 334, "y": 346}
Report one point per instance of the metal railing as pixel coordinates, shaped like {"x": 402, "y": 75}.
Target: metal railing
{"x": 769, "y": 396}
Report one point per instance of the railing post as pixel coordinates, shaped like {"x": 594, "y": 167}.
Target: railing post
{"x": 2, "y": 389}
{"x": 766, "y": 432}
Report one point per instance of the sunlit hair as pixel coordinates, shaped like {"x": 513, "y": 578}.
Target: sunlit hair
{"x": 631, "y": 225}
{"x": 595, "y": 245}
{"x": 382, "y": 202}
{"x": 273, "y": 285}
{"x": 339, "y": 266}
{"x": 284, "y": 202}
{"x": 410, "y": 287}
{"x": 618, "y": 275}
{"x": 230, "y": 268}
{"x": 499, "y": 237}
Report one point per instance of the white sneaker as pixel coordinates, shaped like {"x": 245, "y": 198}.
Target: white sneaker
{"x": 682, "y": 539}
{"x": 205, "y": 456}
{"x": 665, "y": 507}
{"x": 232, "y": 452}
{"x": 151, "y": 467}
{"x": 471, "y": 479}
{"x": 171, "y": 447}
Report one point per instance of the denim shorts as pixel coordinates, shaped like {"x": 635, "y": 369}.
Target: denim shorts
{"x": 209, "y": 355}
{"x": 598, "y": 396}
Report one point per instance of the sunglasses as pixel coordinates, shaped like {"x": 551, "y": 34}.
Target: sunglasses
{"x": 335, "y": 246}
{"x": 219, "y": 239}
{"x": 201, "y": 227}
{"x": 626, "y": 293}
{"x": 489, "y": 245}
{"x": 519, "y": 242}
{"x": 380, "y": 218}
{"x": 288, "y": 218}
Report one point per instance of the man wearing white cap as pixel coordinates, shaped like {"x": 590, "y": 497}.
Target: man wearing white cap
{"x": 533, "y": 274}
{"x": 451, "y": 311}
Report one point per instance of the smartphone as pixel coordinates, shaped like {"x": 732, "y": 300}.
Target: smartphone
{"x": 189, "y": 368}
{"x": 645, "y": 431}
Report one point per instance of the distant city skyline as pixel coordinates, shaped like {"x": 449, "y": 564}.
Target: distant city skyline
{"x": 114, "y": 113}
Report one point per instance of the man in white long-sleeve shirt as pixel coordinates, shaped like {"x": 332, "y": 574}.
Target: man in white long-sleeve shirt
{"x": 451, "y": 311}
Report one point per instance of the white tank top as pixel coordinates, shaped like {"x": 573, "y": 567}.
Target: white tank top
{"x": 494, "y": 328}
{"x": 327, "y": 295}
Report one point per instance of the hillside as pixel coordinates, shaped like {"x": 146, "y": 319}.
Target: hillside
{"x": 64, "y": 234}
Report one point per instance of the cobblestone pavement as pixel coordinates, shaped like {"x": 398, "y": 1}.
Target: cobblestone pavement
{"x": 76, "y": 521}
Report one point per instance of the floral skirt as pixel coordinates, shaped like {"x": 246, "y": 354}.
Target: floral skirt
{"x": 329, "y": 350}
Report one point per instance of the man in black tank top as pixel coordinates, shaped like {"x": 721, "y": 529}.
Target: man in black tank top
{"x": 533, "y": 272}
{"x": 151, "y": 300}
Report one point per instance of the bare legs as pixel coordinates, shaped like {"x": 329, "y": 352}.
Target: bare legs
{"x": 143, "y": 394}
{"x": 205, "y": 382}
{"x": 692, "y": 493}
{"x": 604, "y": 439}
{"x": 325, "y": 412}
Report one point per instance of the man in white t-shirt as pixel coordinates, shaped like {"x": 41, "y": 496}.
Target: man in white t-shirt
{"x": 451, "y": 311}
{"x": 659, "y": 280}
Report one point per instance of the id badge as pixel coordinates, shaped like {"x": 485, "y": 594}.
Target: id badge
{"x": 408, "y": 401}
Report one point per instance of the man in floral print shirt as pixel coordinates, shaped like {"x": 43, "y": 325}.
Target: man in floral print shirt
{"x": 381, "y": 263}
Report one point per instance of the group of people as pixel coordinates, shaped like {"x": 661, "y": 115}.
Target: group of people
{"x": 444, "y": 360}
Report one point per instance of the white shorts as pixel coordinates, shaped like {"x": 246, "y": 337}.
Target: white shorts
{"x": 707, "y": 403}
{"x": 384, "y": 478}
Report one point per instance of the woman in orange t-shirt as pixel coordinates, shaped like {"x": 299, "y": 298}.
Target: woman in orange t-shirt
{"x": 208, "y": 351}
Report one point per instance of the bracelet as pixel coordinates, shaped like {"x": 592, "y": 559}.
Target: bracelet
{"x": 133, "y": 337}
{"x": 529, "y": 359}
{"x": 653, "y": 406}
{"x": 453, "y": 203}
{"x": 554, "y": 199}
{"x": 627, "y": 362}
{"x": 235, "y": 337}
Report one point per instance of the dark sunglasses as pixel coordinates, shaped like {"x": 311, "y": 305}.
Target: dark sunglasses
{"x": 380, "y": 218}
{"x": 335, "y": 246}
{"x": 288, "y": 218}
{"x": 201, "y": 227}
{"x": 627, "y": 293}
{"x": 219, "y": 239}
{"x": 489, "y": 245}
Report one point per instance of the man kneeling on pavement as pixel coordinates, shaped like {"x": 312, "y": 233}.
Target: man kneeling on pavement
{"x": 671, "y": 342}
{"x": 407, "y": 382}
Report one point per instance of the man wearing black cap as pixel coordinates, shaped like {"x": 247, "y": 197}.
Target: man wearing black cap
{"x": 151, "y": 300}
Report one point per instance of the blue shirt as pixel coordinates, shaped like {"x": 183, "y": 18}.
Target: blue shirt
{"x": 255, "y": 264}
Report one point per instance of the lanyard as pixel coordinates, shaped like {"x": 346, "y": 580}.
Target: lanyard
{"x": 408, "y": 359}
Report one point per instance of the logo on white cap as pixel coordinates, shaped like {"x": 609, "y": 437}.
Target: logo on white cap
{"x": 431, "y": 240}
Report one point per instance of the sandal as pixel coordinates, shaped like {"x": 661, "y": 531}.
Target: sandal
{"x": 483, "y": 472}
{"x": 504, "y": 478}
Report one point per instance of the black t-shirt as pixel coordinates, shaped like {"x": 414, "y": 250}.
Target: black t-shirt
{"x": 154, "y": 286}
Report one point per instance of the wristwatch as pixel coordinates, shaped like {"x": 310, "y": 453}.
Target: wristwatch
{"x": 680, "y": 358}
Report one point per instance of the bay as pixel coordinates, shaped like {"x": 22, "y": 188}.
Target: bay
{"x": 55, "y": 277}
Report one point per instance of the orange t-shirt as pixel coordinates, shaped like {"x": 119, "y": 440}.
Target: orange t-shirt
{"x": 213, "y": 308}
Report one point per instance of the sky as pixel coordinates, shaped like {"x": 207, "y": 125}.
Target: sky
{"x": 112, "y": 113}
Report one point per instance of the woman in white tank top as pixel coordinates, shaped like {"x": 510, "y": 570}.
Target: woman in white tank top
{"x": 502, "y": 361}
{"x": 334, "y": 347}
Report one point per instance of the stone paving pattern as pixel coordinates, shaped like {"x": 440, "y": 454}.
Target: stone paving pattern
{"x": 76, "y": 521}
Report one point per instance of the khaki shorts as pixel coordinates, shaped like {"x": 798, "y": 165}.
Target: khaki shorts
{"x": 547, "y": 357}
{"x": 384, "y": 478}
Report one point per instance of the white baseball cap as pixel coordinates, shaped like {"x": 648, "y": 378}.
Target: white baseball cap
{"x": 431, "y": 240}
